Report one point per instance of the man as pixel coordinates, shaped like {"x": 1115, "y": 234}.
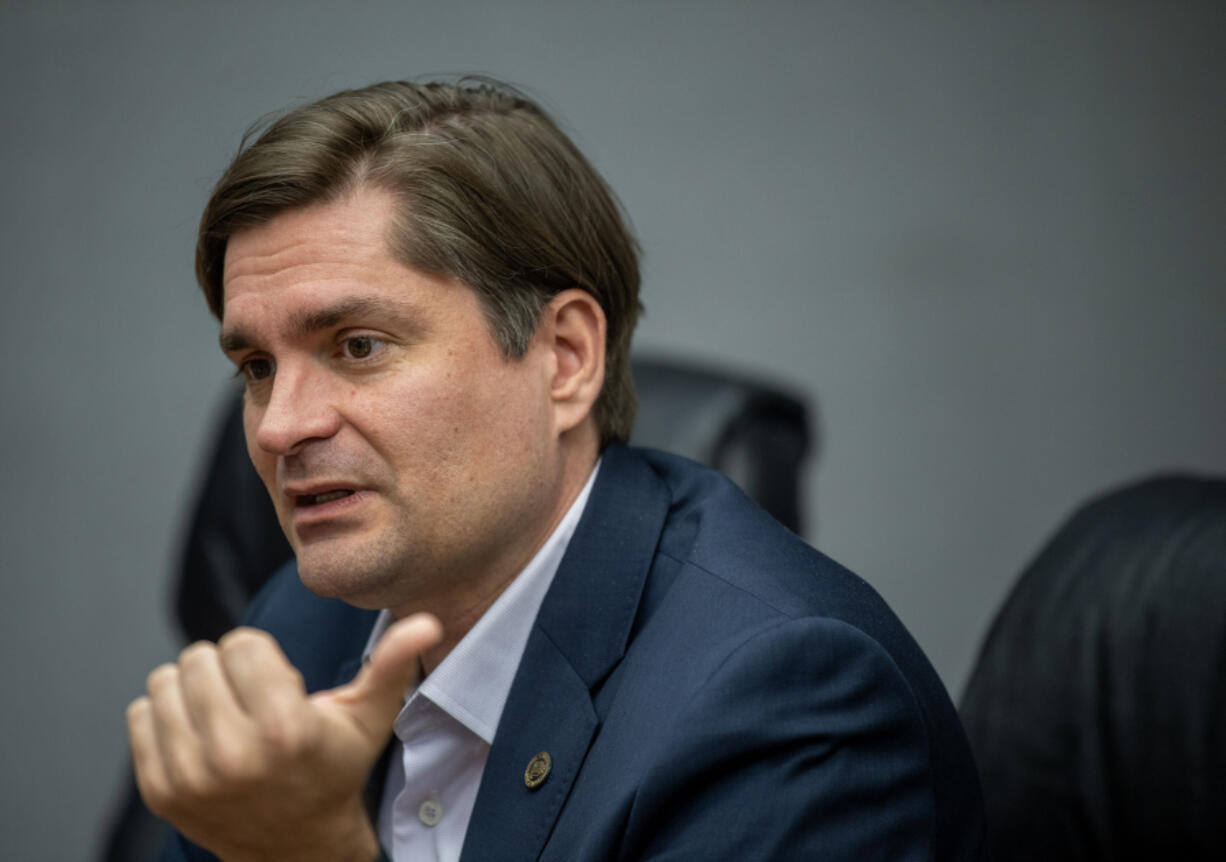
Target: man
{"x": 608, "y": 653}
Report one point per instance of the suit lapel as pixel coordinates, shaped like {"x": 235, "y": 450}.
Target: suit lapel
{"x": 552, "y": 715}
{"x": 579, "y": 636}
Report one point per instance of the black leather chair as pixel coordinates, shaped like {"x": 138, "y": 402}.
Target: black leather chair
{"x": 1097, "y": 708}
{"x": 756, "y": 433}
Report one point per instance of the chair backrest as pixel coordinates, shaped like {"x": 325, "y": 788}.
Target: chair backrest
{"x": 1097, "y": 708}
{"x": 755, "y": 433}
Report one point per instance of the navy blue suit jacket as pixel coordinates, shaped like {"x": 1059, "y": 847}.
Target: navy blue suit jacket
{"x": 707, "y": 687}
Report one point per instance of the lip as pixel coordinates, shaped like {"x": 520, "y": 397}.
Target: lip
{"x": 294, "y": 490}
{"x": 307, "y": 515}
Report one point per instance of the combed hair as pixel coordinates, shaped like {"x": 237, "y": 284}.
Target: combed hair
{"x": 491, "y": 193}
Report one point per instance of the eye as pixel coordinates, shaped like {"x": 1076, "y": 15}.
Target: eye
{"x": 256, "y": 369}
{"x": 361, "y": 346}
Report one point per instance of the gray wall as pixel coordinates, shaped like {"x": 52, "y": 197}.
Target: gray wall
{"x": 987, "y": 241}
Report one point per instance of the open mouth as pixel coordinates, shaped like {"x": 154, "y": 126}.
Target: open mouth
{"x": 325, "y": 497}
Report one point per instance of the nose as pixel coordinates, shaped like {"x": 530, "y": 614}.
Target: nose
{"x": 298, "y": 409}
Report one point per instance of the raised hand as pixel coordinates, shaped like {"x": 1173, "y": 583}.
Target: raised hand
{"x": 229, "y": 747}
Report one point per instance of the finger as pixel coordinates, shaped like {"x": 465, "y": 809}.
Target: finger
{"x": 146, "y": 760}
{"x": 211, "y": 702}
{"x": 263, "y": 680}
{"x": 375, "y": 696}
{"x": 178, "y": 744}
{"x": 270, "y": 692}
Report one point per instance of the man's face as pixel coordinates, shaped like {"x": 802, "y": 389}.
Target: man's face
{"x": 405, "y": 455}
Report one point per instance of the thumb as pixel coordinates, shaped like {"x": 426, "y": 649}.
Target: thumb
{"x": 375, "y": 696}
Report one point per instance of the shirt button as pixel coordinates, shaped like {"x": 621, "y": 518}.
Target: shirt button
{"x": 430, "y": 812}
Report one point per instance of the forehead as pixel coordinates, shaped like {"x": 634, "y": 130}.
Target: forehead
{"x": 323, "y": 262}
{"x": 342, "y": 238}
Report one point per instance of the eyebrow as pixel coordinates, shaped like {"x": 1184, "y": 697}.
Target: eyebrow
{"x": 305, "y": 322}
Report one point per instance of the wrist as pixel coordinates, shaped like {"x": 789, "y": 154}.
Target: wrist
{"x": 347, "y": 837}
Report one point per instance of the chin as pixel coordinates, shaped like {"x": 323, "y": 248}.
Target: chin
{"x": 356, "y": 582}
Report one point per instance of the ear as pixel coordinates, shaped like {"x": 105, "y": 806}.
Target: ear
{"x": 575, "y": 325}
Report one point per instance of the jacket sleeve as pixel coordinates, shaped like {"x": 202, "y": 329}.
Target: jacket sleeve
{"x": 177, "y": 849}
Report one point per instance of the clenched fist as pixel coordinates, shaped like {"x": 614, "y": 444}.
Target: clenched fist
{"x": 230, "y": 748}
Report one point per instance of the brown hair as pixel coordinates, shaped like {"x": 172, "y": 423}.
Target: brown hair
{"x": 493, "y": 194}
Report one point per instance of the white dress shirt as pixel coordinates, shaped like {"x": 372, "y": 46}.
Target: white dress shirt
{"x": 447, "y": 724}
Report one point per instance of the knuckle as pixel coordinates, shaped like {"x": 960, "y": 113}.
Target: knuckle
{"x": 285, "y": 737}
{"x": 233, "y": 762}
{"x": 197, "y": 652}
{"x": 227, "y": 640}
{"x": 137, "y": 710}
{"x": 278, "y": 737}
{"x": 294, "y": 676}
{"x": 161, "y": 677}
{"x": 244, "y": 638}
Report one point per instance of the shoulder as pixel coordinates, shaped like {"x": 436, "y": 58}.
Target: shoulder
{"x": 768, "y": 645}
{"x": 807, "y": 697}
{"x": 755, "y": 734}
{"x": 723, "y": 542}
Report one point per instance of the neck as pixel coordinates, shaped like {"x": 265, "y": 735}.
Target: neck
{"x": 468, "y": 599}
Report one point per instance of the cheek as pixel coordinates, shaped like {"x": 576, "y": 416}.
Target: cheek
{"x": 266, "y": 468}
{"x": 513, "y": 431}
{"x": 264, "y": 465}
{"x": 412, "y": 422}
{"x": 458, "y": 416}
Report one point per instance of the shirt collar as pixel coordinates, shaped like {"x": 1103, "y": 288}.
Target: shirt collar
{"x": 472, "y": 683}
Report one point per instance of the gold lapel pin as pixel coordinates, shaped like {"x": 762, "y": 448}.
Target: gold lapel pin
{"x": 538, "y": 770}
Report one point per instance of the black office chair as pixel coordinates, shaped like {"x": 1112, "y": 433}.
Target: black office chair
{"x": 754, "y": 432}
{"x": 1097, "y": 708}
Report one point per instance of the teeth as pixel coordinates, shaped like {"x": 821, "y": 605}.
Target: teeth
{"x": 329, "y": 497}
